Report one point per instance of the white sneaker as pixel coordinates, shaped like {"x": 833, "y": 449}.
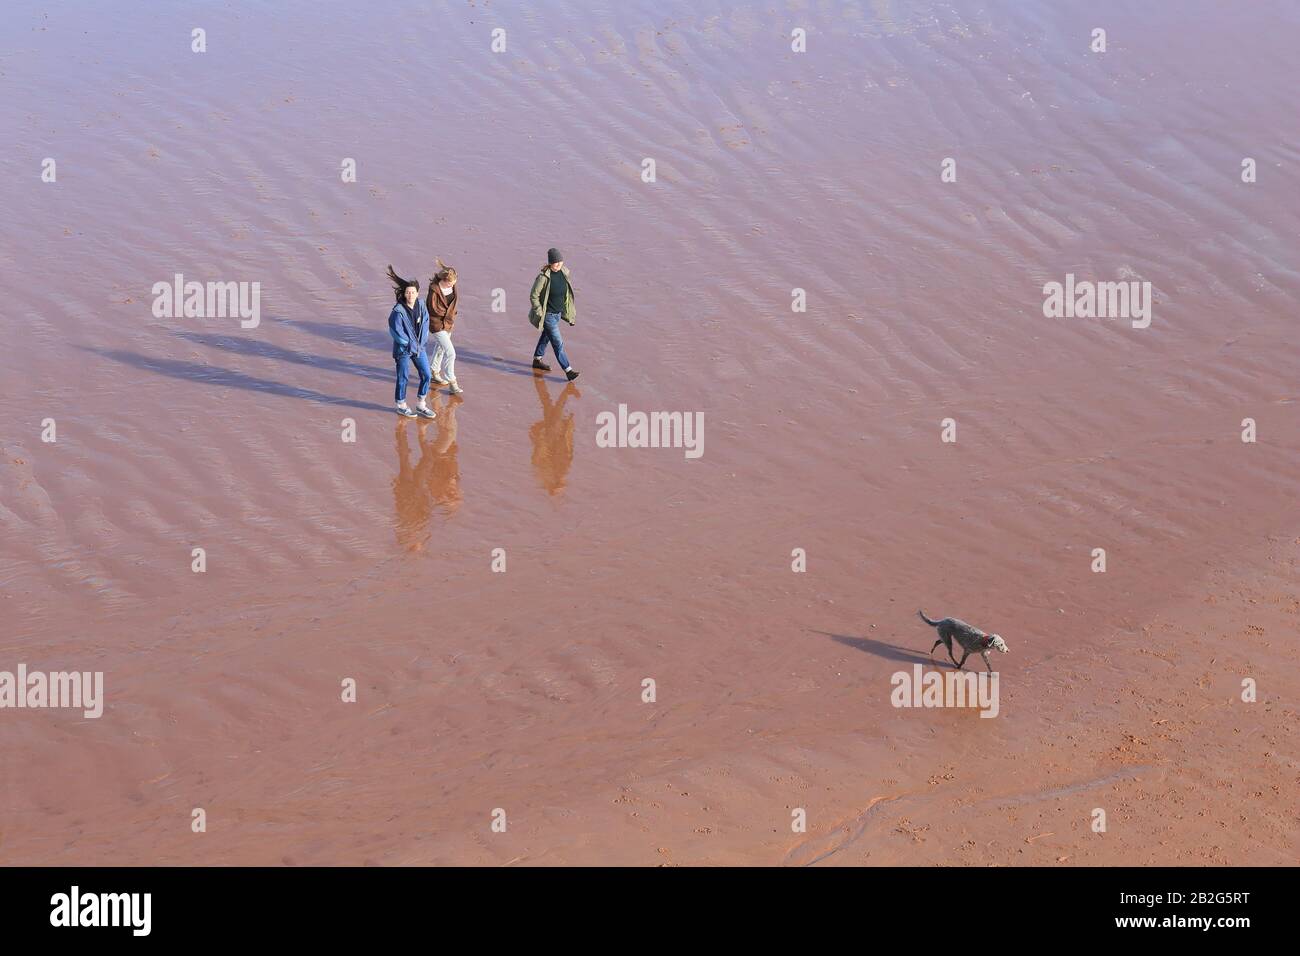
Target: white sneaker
{"x": 456, "y": 389}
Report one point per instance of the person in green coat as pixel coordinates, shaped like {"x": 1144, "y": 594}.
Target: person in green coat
{"x": 551, "y": 300}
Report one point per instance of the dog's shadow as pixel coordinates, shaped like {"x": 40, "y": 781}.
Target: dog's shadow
{"x": 870, "y": 645}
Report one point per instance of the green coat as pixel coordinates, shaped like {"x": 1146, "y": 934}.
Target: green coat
{"x": 541, "y": 289}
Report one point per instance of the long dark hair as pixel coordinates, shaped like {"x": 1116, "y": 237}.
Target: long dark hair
{"x": 400, "y": 285}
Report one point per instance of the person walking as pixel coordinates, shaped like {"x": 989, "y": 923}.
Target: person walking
{"x": 441, "y": 304}
{"x": 551, "y": 300}
{"x": 408, "y": 324}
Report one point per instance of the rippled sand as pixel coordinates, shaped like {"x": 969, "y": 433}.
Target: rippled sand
{"x": 776, "y": 171}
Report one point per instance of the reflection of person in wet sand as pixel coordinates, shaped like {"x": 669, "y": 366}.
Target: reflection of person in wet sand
{"x": 431, "y": 482}
{"x": 552, "y": 438}
{"x": 444, "y": 473}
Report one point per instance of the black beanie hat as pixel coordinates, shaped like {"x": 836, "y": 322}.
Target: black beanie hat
{"x": 553, "y": 256}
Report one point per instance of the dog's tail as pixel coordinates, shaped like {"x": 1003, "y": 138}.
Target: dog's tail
{"x": 927, "y": 620}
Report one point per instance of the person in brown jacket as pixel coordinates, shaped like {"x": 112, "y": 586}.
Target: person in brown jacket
{"x": 441, "y": 301}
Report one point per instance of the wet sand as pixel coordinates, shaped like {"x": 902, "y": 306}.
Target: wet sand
{"x": 372, "y": 559}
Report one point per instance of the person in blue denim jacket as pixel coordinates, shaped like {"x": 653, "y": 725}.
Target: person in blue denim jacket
{"x": 408, "y": 324}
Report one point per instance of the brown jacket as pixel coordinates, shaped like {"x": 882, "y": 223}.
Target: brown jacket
{"x": 442, "y": 311}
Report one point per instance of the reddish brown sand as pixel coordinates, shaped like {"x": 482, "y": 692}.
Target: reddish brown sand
{"x": 371, "y": 560}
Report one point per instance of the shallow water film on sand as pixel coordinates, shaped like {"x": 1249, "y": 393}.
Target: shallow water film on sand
{"x": 986, "y": 310}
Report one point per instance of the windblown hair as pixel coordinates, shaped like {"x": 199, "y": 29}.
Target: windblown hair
{"x": 445, "y": 273}
{"x": 400, "y": 285}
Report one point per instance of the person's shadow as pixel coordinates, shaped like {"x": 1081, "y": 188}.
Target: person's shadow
{"x": 226, "y": 378}
{"x": 378, "y": 338}
{"x": 257, "y": 348}
{"x": 552, "y": 437}
{"x": 870, "y": 645}
{"x": 421, "y": 488}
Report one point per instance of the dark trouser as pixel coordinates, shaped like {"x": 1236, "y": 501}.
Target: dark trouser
{"x": 421, "y": 362}
{"x": 551, "y": 334}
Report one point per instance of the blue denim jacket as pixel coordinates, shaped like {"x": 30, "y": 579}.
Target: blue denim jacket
{"x": 406, "y": 338}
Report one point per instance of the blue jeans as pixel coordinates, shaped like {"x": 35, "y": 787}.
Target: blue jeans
{"x": 421, "y": 362}
{"x": 551, "y": 334}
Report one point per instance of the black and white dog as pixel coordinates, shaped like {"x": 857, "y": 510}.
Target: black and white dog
{"x": 970, "y": 639}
